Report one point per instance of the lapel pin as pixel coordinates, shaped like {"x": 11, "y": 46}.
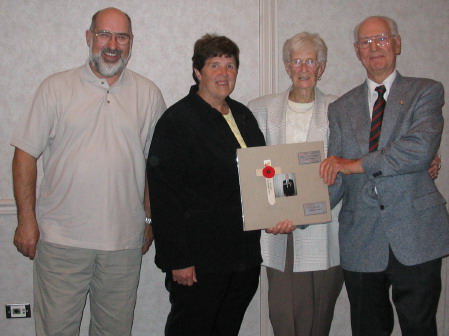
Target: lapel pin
{"x": 401, "y": 102}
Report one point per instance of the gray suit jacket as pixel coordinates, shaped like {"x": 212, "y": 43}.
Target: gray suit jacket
{"x": 395, "y": 202}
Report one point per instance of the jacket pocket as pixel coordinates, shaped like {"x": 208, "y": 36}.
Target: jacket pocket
{"x": 429, "y": 201}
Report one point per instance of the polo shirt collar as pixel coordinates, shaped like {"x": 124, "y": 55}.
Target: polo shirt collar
{"x": 88, "y": 75}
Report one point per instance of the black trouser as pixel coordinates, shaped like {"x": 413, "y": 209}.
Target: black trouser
{"x": 415, "y": 293}
{"x": 214, "y": 306}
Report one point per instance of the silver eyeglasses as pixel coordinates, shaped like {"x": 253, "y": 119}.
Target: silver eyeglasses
{"x": 310, "y": 63}
{"x": 104, "y": 36}
{"x": 381, "y": 41}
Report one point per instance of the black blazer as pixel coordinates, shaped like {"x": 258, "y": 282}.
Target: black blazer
{"x": 194, "y": 188}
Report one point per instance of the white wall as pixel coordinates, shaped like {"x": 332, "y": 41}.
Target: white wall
{"x": 41, "y": 37}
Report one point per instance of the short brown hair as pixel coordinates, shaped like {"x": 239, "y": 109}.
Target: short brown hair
{"x": 212, "y": 45}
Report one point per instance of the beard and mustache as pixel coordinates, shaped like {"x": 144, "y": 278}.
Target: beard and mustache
{"x": 108, "y": 69}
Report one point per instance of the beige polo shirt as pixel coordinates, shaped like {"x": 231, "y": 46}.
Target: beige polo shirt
{"x": 93, "y": 140}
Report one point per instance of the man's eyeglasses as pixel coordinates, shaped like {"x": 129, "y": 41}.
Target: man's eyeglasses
{"x": 381, "y": 41}
{"x": 104, "y": 36}
{"x": 310, "y": 63}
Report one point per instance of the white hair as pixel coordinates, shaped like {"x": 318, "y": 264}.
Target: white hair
{"x": 301, "y": 39}
{"x": 391, "y": 24}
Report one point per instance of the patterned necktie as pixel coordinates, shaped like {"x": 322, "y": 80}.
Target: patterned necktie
{"x": 376, "y": 121}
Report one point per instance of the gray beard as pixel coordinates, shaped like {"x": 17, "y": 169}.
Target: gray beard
{"x": 108, "y": 69}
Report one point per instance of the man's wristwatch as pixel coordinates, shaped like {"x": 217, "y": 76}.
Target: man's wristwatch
{"x": 147, "y": 220}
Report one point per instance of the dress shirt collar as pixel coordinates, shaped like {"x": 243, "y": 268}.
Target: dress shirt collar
{"x": 388, "y": 82}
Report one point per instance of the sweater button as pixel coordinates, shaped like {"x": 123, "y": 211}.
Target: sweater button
{"x": 382, "y": 207}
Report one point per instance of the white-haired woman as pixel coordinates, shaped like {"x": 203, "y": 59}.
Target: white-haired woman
{"x": 304, "y": 279}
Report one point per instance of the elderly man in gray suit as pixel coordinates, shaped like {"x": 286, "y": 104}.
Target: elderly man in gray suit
{"x": 394, "y": 225}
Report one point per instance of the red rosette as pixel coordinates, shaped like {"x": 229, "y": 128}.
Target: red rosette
{"x": 268, "y": 172}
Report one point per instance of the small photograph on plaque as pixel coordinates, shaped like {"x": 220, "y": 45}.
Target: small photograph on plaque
{"x": 282, "y": 182}
{"x": 285, "y": 185}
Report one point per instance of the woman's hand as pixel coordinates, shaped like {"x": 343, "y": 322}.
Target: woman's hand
{"x": 435, "y": 166}
{"x": 285, "y": 226}
{"x": 185, "y": 276}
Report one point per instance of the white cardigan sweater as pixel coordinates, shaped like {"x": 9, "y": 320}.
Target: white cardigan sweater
{"x": 316, "y": 247}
